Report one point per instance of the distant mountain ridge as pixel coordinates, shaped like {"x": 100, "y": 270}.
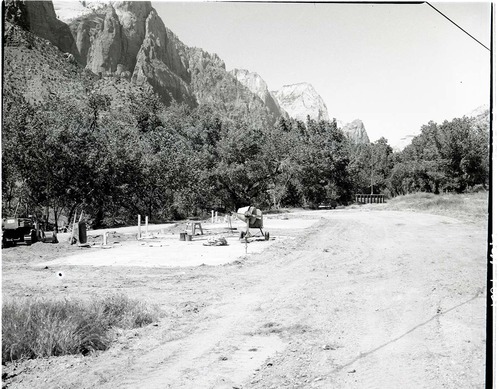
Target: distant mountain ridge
{"x": 128, "y": 39}
{"x": 301, "y": 100}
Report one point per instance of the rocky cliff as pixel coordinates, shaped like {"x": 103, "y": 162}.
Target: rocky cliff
{"x": 356, "y": 132}
{"x": 128, "y": 40}
{"x": 300, "y": 100}
{"x": 162, "y": 62}
{"x": 259, "y": 87}
{"x": 39, "y": 18}
{"x": 36, "y": 70}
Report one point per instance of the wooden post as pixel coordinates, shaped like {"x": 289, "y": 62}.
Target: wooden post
{"x": 138, "y": 222}
{"x": 147, "y": 224}
{"x": 73, "y": 229}
{"x": 212, "y": 216}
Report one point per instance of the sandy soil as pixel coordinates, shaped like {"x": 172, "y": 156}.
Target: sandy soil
{"x": 339, "y": 299}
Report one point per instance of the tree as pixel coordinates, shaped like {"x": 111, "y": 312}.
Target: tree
{"x": 323, "y": 161}
{"x": 243, "y": 172}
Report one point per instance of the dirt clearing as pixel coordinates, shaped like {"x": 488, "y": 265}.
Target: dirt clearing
{"x": 342, "y": 298}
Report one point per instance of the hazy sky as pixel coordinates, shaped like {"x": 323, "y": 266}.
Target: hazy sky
{"x": 393, "y": 66}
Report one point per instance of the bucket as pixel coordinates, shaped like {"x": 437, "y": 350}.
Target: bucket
{"x": 188, "y": 238}
{"x": 183, "y": 235}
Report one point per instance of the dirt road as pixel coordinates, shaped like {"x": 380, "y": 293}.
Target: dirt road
{"x": 361, "y": 299}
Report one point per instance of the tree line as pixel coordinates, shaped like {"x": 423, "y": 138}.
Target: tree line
{"x": 116, "y": 158}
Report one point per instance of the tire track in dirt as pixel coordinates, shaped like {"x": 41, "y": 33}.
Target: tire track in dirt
{"x": 389, "y": 301}
{"x": 195, "y": 362}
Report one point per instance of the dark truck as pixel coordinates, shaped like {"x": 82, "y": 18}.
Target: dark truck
{"x": 21, "y": 229}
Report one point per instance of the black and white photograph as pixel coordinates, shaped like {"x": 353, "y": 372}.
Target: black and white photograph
{"x": 247, "y": 194}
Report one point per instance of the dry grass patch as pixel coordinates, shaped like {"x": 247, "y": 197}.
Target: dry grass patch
{"x": 34, "y": 328}
{"x": 468, "y": 206}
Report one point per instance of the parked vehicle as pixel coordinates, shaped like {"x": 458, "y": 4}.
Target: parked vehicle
{"x": 24, "y": 230}
{"x": 18, "y": 229}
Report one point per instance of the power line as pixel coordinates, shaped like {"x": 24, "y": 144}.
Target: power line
{"x": 455, "y": 24}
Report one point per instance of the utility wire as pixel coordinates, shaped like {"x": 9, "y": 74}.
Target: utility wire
{"x": 455, "y": 24}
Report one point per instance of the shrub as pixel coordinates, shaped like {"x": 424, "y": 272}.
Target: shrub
{"x": 41, "y": 328}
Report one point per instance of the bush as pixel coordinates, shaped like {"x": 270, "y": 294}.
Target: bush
{"x": 41, "y": 328}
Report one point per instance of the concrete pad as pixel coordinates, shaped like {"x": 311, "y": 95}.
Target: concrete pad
{"x": 166, "y": 250}
{"x": 163, "y": 252}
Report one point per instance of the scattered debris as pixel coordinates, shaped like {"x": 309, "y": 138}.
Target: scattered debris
{"x": 214, "y": 241}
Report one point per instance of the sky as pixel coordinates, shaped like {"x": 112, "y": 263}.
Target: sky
{"x": 394, "y": 66}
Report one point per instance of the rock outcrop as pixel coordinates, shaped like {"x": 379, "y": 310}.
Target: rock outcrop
{"x": 36, "y": 71}
{"x": 301, "y": 100}
{"x": 259, "y": 87}
{"x": 213, "y": 85}
{"x": 162, "y": 63}
{"x": 356, "y": 132}
{"x": 39, "y": 18}
{"x": 129, "y": 39}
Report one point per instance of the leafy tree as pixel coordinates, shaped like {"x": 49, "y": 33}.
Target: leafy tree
{"x": 452, "y": 156}
{"x": 323, "y": 161}
{"x": 242, "y": 173}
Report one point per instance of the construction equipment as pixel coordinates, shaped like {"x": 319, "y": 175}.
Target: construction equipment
{"x": 253, "y": 218}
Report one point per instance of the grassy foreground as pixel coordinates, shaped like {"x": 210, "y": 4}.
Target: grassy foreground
{"x": 34, "y": 328}
{"x": 468, "y": 206}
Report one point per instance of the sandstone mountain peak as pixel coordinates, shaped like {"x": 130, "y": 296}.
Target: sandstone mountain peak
{"x": 356, "y": 132}
{"x": 258, "y": 86}
{"x": 302, "y": 100}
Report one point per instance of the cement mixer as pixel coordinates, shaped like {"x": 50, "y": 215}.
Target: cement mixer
{"x": 253, "y": 218}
